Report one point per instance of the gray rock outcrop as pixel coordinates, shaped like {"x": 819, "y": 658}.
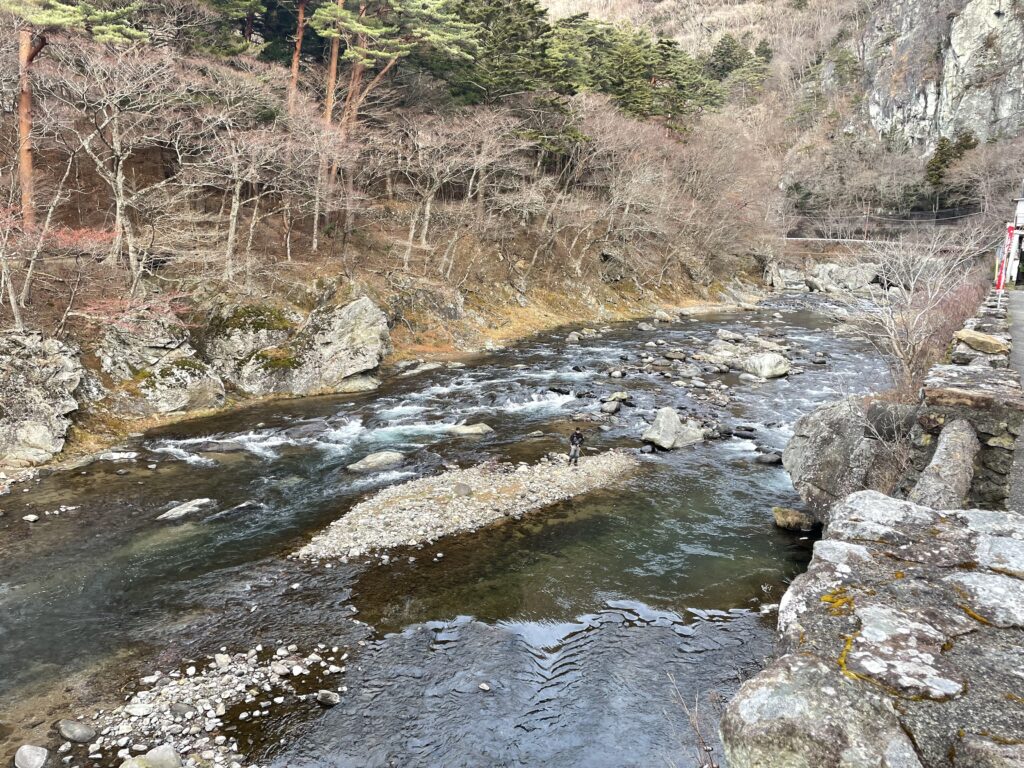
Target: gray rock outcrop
{"x": 239, "y": 333}
{"x": 938, "y": 68}
{"x": 182, "y": 385}
{"x": 324, "y": 356}
{"x": 907, "y": 623}
{"x": 142, "y": 342}
{"x": 38, "y": 379}
{"x": 829, "y": 456}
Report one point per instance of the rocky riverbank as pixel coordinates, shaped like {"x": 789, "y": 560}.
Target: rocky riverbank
{"x": 901, "y": 644}
{"x": 73, "y": 400}
{"x": 460, "y": 500}
{"x": 194, "y": 716}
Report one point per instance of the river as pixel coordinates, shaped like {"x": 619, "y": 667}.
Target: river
{"x": 588, "y": 622}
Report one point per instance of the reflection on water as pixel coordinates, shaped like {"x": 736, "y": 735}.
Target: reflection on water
{"x": 692, "y": 529}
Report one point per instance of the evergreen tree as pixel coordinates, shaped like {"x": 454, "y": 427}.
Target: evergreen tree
{"x": 378, "y": 33}
{"x": 569, "y": 62}
{"x": 512, "y": 40}
{"x": 728, "y": 55}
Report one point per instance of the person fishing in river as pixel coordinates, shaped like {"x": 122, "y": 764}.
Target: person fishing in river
{"x": 575, "y": 445}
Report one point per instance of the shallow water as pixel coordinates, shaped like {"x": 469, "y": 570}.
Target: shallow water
{"x": 614, "y": 584}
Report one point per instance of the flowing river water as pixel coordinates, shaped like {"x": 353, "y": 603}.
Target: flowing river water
{"x": 589, "y": 621}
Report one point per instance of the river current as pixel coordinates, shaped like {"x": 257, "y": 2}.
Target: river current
{"x": 595, "y": 624}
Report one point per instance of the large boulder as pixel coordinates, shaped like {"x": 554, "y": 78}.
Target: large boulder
{"x": 983, "y": 342}
{"x": 669, "y": 431}
{"x": 30, "y": 756}
{"x": 325, "y": 356}
{"x": 235, "y": 335}
{"x": 829, "y": 457}
{"x": 181, "y": 385}
{"x": 38, "y": 379}
{"x": 803, "y": 713}
{"x": 142, "y": 341}
{"x": 767, "y": 365}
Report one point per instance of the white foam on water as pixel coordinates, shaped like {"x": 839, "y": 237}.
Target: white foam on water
{"x": 537, "y": 402}
{"x": 181, "y": 454}
{"x": 383, "y": 478}
{"x": 398, "y": 411}
{"x": 400, "y": 432}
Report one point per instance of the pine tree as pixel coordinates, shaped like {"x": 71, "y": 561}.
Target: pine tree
{"x": 569, "y": 61}
{"x": 728, "y": 55}
{"x": 378, "y": 33}
{"x": 512, "y": 40}
{"x": 38, "y": 19}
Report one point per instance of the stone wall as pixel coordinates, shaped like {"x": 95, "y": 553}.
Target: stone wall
{"x": 902, "y": 646}
{"x": 979, "y": 387}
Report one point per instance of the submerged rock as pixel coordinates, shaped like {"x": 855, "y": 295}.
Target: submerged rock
{"x": 792, "y": 519}
{"x": 669, "y": 431}
{"x": 186, "y": 508}
{"x": 76, "y": 731}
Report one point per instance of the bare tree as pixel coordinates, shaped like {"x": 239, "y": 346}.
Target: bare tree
{"x": 932, "y": 279}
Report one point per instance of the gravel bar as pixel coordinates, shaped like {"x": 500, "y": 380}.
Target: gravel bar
{"x": 423, "y": 510}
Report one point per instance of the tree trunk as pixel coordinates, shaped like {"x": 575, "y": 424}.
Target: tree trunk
{"x": 250, "y": 17}
{"x": 26, "y": 289}
{"x": 332, "y": 78}
{"x": 25, "y": 175}
{"x": 428, "y": 208}
{"x": 293, "y": 83}
{"x": 229, "y": 255}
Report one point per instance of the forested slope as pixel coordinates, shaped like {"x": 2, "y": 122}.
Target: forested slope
{"x": 180, "y": 152}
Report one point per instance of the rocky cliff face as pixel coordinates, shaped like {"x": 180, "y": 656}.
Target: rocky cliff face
{"x": 940, "y": 67}
{"x": 38, "y": 378}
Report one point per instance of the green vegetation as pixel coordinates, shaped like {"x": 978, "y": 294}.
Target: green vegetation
{"x": 277, "y": 359}
{"x": 253, "y": 317}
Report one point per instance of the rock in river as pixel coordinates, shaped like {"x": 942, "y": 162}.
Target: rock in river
{"x": 29, "y": 756}
{"x": 378, "y": 460}
{"x": 160, "y": 757}
{"x": 185, "y": 508}
{"x": 469, "y": 430}
{"x": 73, "y": 730}
{"x": 768, "y": 365}
{"x": 669, "y": 431}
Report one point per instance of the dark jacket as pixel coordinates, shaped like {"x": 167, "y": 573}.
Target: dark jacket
{"x": 576, "y": 438}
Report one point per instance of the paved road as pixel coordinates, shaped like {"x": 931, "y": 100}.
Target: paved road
{"x": 1015, "y": 499}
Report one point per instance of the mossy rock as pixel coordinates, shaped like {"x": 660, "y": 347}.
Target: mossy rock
{"x": 277, "y": 359}
{"x": 253, "y": 317}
